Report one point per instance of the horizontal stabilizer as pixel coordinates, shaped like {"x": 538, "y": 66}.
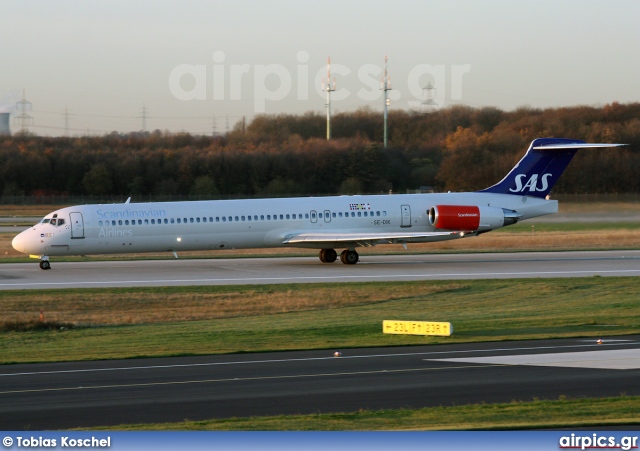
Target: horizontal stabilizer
{"x": 576, "y": 146}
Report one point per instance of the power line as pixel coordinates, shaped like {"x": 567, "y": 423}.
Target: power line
{"x": 106, "y": 116}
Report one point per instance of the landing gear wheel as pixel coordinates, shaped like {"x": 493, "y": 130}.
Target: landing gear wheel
{"x": 44, "y": 264}
{"x": 328, "y": 255}
{"x": 349, "y": 257}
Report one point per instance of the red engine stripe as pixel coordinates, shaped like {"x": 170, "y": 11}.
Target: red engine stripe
{"x": 457, "y": 217}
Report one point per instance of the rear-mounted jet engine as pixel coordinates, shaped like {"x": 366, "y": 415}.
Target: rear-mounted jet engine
{"x": 471, "y": 218}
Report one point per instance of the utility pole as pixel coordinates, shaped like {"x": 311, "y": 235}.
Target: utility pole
{"x": 23, "y": 119}
{"x": 66, "y": 121}
{"x": 386, "y": 87}
{"x": 429, "y": 105}
{"x": 326, "y": 86}
{"x": 145, "y": 114}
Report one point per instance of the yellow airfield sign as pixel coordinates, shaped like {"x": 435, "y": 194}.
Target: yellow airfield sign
{"x": 417, "y": 328}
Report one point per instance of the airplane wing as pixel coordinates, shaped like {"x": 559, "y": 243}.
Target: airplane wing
{"x": 363, "y": 239}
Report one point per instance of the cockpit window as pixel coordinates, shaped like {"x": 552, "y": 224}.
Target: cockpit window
{"x": 56, "y": 222}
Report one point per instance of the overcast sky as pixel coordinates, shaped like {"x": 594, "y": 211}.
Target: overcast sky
{"x": 193, "y": 64}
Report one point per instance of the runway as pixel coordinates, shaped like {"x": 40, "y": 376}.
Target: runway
{"x": 100, "y": 393}
{"x": 240, "y": 271}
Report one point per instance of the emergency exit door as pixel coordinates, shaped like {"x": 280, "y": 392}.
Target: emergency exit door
{"x": 406, "y": 216}
{"x": 77, "y": 226}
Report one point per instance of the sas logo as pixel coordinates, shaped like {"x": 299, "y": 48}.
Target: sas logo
{"x": 532, "y": 183}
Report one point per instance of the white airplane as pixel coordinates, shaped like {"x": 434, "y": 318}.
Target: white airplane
{"x": 325, "y": 223}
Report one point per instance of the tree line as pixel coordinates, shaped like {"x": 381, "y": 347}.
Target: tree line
{"x": 457, "y": 148}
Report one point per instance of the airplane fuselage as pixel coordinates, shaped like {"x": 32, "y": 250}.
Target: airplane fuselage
{"x": 256, "y": 223}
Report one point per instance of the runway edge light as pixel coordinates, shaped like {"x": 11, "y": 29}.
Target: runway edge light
{"x": 441, "y": 329}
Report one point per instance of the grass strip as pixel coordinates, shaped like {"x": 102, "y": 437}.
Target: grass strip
{"x": 537, "y": 414}
{"x": 169, "y": 321}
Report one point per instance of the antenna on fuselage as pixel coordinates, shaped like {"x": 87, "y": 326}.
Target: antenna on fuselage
{"x": 128, "y": 200}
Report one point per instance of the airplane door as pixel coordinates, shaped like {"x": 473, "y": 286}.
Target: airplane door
{"x": 406, "y": 216}
{"x": 314, "y": 216}
{"x": 327, "y": 216}
{"x": 77, "y": 226}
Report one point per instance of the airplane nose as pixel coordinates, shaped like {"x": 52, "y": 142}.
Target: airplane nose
{"x": 19, "y": 243}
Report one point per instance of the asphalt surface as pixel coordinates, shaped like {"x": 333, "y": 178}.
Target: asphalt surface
{"x": 242, "y": 271}
{"x": 91, "y": 394}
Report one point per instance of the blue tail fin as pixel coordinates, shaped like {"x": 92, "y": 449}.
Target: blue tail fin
{"x": 541, "y": 167}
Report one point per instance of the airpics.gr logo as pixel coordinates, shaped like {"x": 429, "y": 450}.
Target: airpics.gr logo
{"x": 532, "y": 183}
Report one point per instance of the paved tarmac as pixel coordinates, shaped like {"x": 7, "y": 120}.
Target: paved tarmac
{"x": 100, "y": 393}
{"x": 240, "y": 271}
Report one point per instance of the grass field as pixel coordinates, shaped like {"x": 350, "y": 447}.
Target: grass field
{"x": 536, "y": 414}
{"x": 148, "y": 322}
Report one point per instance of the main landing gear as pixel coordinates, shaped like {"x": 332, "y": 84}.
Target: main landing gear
{"x": 328, "y": 255}
{"x": 347, "y": 256}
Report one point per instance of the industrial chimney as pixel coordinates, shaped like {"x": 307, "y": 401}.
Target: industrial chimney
{"x": 4, "y": 124}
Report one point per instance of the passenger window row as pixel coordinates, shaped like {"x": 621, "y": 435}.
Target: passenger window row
{"x": 275, "y": 217}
